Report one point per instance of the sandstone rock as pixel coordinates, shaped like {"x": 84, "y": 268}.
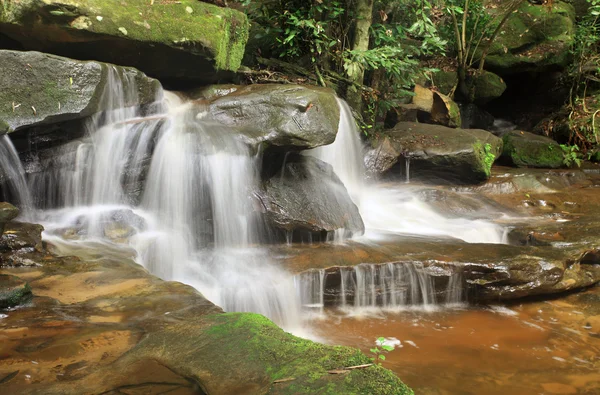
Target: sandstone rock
{"x": 440, "y": 153}
{"x": 8, "y": 212}
{"x": 185, "y": 39}
{"x": 40, "y": 89}
{"x": 280, "y": 116}
{"x": 13, "y": 291}
{"x": 525, "y": 149}
{"x": 306, "y": 196}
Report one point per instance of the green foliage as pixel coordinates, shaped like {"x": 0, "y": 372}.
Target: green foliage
{"x": 571, "y": 155}
{"x": 379, "y": 352}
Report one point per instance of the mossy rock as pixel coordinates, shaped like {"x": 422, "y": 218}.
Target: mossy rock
{"x": 524, "y": 149}
{"x": 442, "y": 154}
{"x": 249, "y": 353}
{"x": 4, "y": 127}
{"x": 13, "y": 292}
{"x": 37, "y": 88}
{"x": 488, "y": 86}
{"x": 535, "y": 38}
{"x": 185, "y": 39}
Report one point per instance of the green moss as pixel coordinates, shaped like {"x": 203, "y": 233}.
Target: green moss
{"x": 4, "y": 127}
{"x": 534, "y": 37}
{"x": 15, "y": 296}
{"x": 285, "y": 356}
{"x": 527, "y": 150}
{"x": 191, "y": 25}
{"x": 485, "y": 157}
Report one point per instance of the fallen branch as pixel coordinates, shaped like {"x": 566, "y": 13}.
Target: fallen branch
{"x": 284, "y": 380}
{"x": 349, "y": 368}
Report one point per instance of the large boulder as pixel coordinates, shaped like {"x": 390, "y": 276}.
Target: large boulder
{"x": 436, "y": 152}
{"x": 524, "y": 149}
{"x": 185, "y": 39}
{"x": 535, "y": 38}
{"x": 486, "y": 86}
{"x": 40, "y": 89}
{"x": 284, "y": 116}
{"x": 306, "y": 196}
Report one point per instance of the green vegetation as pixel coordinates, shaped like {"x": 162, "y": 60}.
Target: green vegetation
{"x": 379, "y": 352}
{"x": 571, "y": 155}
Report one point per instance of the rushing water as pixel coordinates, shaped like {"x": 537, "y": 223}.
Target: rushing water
{"x": 175, "y": 188}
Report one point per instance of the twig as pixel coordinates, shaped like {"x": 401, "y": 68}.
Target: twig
{"x": 284, "y": 380}
{"x": 349, "y": 368}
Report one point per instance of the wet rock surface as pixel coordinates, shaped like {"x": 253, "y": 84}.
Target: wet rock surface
{"x": 42, "y": 89}
{"x": 437, "y": 153}
{"x": 306, "y": 196}
{"x": 280, "y": 116}
{"x": 102, "y": 323}
{"x": 552, "y": 222}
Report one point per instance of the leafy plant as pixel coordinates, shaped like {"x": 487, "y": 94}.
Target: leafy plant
{"x": 489, "y": 157}
{"x": 379, "y": 352}
{"x": 571, "y": 155}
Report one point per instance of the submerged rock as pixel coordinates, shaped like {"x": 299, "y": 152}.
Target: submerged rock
{"x": 437, "y": 152}
{"x": 13, "y": 291}
{"x": 306, "y": 196}
{"x": 525, "y": 149}
{"x": 185, "y": 39}
{"x": 41, "y": 89}
{"x": 280, "y": 116}
{"x": 140, "y": 333}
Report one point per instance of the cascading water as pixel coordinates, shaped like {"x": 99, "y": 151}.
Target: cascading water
{"x": 12, "y": 176}
{"x": 193, "y": 222}
{"x": 394, "y": 208}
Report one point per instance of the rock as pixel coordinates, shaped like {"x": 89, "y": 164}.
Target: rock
{"x": 474, "y": 117}
{"x": 8, "y": 212}
{"x": 439, "y": 152}
{"x": 185, "y": 40}
{"x": 525, "y": 149}
{"x": 138, "y": 329}
{"x": 535, "y": 38}
{"x": 21, "y": 236}
{"x": 436, "y": 107}
{"x": 13, "y": 291}
{"x": 280, "y": 116}
{"x": 4, "y": 127}
{"x": 488, "y": 86}
{"x": 306, "y": 196}
{"x": 47, "y": 89}
{"x": 380, "y": 159}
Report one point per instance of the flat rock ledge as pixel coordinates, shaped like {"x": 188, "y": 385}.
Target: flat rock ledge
{"x": 107, "y": 325}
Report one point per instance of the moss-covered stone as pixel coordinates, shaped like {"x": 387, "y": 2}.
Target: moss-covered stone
{"x": 525, "y": 149}
{"x": 535, "y": 38}
{"x": 4, "y": 127}
{"x": 442, "y": 154}
{"x": 488, "y": 86}
{"x": 13, "y": 292}
{"x": 37, "y": 88}
{"x": 170, "y": 39}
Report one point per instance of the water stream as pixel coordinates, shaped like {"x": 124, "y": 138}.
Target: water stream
{"x": 174, "y": 189}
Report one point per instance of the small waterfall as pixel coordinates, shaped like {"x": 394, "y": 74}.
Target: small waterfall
{"x": 371, "y": 286}
{"x": 394, "y": 209}
{"x": 12, "y": 176}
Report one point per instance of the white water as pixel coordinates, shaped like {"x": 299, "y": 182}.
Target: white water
{"x": 194, "y": 222}
{"x": 394, "y": 208}
{"x": 13, "y": 176}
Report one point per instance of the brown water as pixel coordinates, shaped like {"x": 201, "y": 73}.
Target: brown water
{"x": 550, "y": 347}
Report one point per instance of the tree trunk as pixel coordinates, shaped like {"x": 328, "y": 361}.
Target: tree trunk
{"x": 364, "y": 18}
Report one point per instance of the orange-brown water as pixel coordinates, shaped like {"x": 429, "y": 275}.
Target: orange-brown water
{"x": 550, "y": 347}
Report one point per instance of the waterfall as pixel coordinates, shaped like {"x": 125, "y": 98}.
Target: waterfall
{"x": 176, "y": 188}
{"x": 372, "y": 286}
{"x": 394, "y": 208}
{"x": 12, "y": 177}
